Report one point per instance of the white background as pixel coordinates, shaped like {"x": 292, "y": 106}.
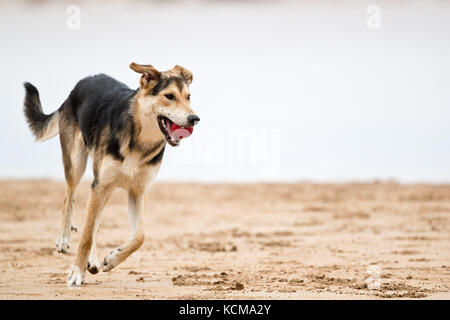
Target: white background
{"x": 346, "y": 102}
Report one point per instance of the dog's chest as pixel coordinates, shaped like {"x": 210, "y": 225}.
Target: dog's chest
{"x": 132, "y": 166}
{"x": 132, "y": 171}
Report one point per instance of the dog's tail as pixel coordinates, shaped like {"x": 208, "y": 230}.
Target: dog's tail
{"x": 43, "y": 126}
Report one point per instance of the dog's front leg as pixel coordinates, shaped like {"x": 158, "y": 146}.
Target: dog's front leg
{"x": 135, "y": 208}
{"x": 93, "y": 265}
{"x": 97, "y": 200}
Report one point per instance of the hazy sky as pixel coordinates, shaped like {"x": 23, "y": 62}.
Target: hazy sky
{"x": 286, "y": 91}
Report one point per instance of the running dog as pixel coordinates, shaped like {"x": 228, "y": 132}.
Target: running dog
{"x": 125, "y": 131}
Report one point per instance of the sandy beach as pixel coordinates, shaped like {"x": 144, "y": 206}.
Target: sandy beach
{"x": 237, "y": 241}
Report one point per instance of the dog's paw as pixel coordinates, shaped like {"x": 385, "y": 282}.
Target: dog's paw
{"x": 93, "y": 266}
{"x": 111, "y": 260}
{"x": 63, "y": 244}
{"x": 75, "y": 277}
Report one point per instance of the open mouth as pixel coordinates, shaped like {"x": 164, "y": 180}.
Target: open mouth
{"x": 173, "y": 133}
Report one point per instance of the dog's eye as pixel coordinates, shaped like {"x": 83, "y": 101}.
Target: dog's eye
{"x": 188, "y": 97}
{"x": 170, "y": 96}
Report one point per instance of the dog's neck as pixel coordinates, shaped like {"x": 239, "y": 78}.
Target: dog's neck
{"x": 147, "y": 131}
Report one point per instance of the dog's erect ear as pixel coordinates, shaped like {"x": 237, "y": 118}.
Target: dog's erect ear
{"x": 149, "y": 74}
{"x": 184, "y": 73}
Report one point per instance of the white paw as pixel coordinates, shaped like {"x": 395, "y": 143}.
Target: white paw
{"x": 111, "y": 260}
{"x": 62, "y": 244}
{"x": 75, "y": 277}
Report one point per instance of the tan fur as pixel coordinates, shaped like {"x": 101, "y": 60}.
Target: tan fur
{"x": 51, "y": 129}
{"x": 145, "y": 118}
{"x": 181, "y": 72}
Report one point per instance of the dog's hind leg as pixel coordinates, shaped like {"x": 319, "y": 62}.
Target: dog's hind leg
{"x": 75, "y": 155}
{"x": 135, "y": 208}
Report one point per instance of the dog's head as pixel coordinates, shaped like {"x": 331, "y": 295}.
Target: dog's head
{"x": 164, "y": 97}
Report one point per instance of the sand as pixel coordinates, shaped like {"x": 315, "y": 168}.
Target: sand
{"x": 224, "y": 241}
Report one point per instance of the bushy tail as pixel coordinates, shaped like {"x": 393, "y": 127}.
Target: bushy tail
{"x": 42, "y": 125}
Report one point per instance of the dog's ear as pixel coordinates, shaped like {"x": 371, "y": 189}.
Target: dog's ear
{"x": 184, "y": 73}
{"x": 150, "y": 76}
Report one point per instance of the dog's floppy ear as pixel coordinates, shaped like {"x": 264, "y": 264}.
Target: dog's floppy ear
{"x": 184, "y": 73}
{"x": 149, "y": 74}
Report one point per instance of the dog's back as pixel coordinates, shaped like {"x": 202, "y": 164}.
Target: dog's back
{"x": 100, "y": 102}
{"x": 96, "y": 102}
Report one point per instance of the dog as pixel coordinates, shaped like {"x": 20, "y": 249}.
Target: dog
{"x": 125, "y": 131}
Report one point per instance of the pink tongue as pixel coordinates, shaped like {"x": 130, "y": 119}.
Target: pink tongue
{"x": 180, "y": 132}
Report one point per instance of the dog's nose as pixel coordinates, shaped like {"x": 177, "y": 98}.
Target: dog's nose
{"x": 193, "y": 119}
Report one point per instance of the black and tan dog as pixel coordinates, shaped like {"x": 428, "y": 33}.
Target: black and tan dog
{"x": 125, "y": 131}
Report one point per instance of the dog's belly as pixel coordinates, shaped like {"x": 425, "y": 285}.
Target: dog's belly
{"x": 129, "y": 173}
